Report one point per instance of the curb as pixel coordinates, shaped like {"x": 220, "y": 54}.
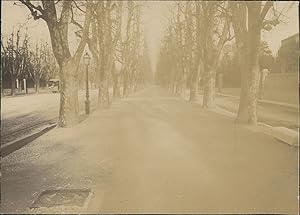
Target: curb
{"x": 283, "y": 134}
{"x": 10, "y": 147}
{"x": 227, "y": 95}
{"x": 280, "y": 104}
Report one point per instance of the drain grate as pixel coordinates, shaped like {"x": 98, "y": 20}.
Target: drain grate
{"x": 62, "y": 198}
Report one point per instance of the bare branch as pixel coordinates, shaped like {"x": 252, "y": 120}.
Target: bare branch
{"x": 73, "y": 21}
{"x": 76, "y": 5}
{"x": 265, "y": 10}
{"x": 34, "y": 9}
{"x": 85, "y": 33}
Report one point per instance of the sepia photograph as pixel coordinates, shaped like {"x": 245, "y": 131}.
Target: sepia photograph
{"x": 149, "y": 107}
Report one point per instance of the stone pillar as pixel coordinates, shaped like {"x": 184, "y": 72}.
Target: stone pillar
{"x": 262, "y": 78}
{"x": 25, "y": 85}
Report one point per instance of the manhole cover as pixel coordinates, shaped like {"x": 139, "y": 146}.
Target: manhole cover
{"x": 62, "y": 198}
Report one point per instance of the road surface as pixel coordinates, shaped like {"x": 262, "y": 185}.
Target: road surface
{"x": 22, "y": 115}
{"x": 154, "y": 153}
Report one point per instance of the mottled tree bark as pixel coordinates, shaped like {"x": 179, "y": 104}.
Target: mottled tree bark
{"x": 116, "y": 87}
{"x": 194, "y": 87}
{"x": 196, "y": 71}
{"x": 13, "y": 86}
{"x": 37, "y": 85}
{"x": 248, "y": 37}
{"x": 209, "y": 90}
{"x": 103, "y": 95}
{"x": 125, "y": 85}
{"x": 59, "y": 28}
{"x": 211, "y": 52}
{"x": 68, "y": 111}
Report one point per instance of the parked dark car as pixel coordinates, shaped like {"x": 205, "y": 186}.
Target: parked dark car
{"x": 54, "y": 85}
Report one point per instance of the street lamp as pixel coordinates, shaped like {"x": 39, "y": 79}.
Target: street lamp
{"x": 87, "y": 59}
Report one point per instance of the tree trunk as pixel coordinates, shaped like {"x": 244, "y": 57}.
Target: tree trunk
{"x": 173, "y": 87}
{"x": 180, "y": 84}
{"x": 184, "y": 82}
{"x": 25, "y": 85}
{"x": 103, "y": 98}
{"x": 13, "y": 86}
{"x": 193, "y": 91}
{"x": 103, "y": 93}
{"x": 125, "y": 85}
{"x": 108, "y": 98}
{"x": 69, "y": 108}
{"x": 194, "y": 85}
{"x": 177, "y": 87}
{"x": 197, "y": 62}
{"x": 220, "y": 82}
{"x": 254, "y": 71}
{"x": 209, "y": 90}
{"x": 261, "y": 85}
{"x": 248, "y": 99}
{"x": 19, "y": 85}
{"x": 37, "y": 85}
{"x": 250, "y": 73}
{"x": 116, "y": 87}
{"x": 68, "y": 65}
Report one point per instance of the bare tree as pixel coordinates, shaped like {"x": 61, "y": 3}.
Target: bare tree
{"x": 170, "y": 68}
{"x": 115, "y": 73}
{"x": 106, "y": 27}
{"x": 248, "y": 19}
{"x": 38, "y": 59}
{"x": 58, "y": 26}
{"x": 180, "y": 75}
{"x": 194, "y": 74}
{"x": 201, "y": 41}
{"x": 126, "y": 50}
{"x": 146, "y": 76}
{"x": 215, "y": 34}
{"x": 15, "y": 55}
{"x": 136, "y": 49}
{"x": 51, "y": 67}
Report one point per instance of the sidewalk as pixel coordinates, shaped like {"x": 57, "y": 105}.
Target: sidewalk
{"x": 277, "y": 120}
{"x": 280, "y": 98}
{"x": 270, "y": 112}
{"x": 154, "y": 153}
{"x": 264, "y": 101}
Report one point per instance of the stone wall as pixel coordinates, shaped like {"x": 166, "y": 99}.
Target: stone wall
{"x": 282, "y": 87}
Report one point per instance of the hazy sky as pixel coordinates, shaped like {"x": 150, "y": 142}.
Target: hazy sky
{"x": 155, "y": 19}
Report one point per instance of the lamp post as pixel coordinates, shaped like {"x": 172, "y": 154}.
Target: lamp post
{"x": 87, "y": 60}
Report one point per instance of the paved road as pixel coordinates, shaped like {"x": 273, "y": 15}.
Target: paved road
{"x": 22, "y": 115}
{"x": 155, "y": 153}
